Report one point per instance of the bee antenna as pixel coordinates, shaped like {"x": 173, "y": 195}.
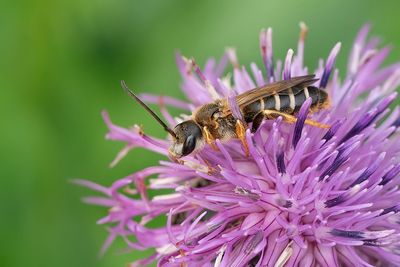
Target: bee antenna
{"x": 154, "y": 115}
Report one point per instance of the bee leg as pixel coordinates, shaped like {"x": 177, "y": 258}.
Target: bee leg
{"x": 317, "y": 124}
{"x": 241, "y": 134}
{"x": 292, "y": 119}
{"x": 257, "y": 120}
{"x": 209, "y": 138}
{"x": 174, "y": 158}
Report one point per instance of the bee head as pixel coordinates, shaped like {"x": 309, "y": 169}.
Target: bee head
{"x": 188, "y": 139}
{"x": 187, "y": 135}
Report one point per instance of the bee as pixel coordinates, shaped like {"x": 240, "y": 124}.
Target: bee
{"x": 215, "y": 120}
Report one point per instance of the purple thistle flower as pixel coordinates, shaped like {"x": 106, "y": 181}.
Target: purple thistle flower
{"x": 305, "y": 196}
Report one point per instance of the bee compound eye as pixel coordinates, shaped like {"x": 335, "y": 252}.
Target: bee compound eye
{"x": 188, "y": 145}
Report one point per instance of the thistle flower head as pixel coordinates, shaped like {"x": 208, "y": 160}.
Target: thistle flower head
{"x": 304, "y": 196}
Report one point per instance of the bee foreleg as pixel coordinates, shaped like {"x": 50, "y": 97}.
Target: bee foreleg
{"x": 209, "y": 138}
{"x": 271, "y": 114}
{"x": 241, "y": 134}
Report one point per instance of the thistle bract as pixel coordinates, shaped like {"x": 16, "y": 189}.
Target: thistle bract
{"x": 305, "y": 196}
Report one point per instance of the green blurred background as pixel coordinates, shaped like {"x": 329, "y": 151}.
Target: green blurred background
{"x": 60, "y": 65}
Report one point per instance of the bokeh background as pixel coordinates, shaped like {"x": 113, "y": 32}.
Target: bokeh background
{"x": 60, "y": 65}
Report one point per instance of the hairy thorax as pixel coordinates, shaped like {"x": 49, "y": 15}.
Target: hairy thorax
{"x": 210, "y": 116}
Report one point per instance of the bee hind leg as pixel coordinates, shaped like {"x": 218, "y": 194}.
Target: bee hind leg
{"x": 241, "y": 134}
{"x": 269, "y": 115}
{"x": 272, "y": 114}
{"x": 257, "y": 120}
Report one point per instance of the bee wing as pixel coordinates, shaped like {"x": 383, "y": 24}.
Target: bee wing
{"x": 270, "y": 89}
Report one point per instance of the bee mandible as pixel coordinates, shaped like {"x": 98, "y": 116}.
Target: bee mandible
{"x": 215, "y": 120}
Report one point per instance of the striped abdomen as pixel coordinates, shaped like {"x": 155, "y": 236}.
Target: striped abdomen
{"x": 288, "y": 101}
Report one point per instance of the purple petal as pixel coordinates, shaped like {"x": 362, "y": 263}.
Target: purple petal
{"x": 301, "y": 118}
{"x": 266, "y": 52}
{"x": 330, "y": 62}
{"x": 288, "y": 64}
{"x": 237, "y": 113}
